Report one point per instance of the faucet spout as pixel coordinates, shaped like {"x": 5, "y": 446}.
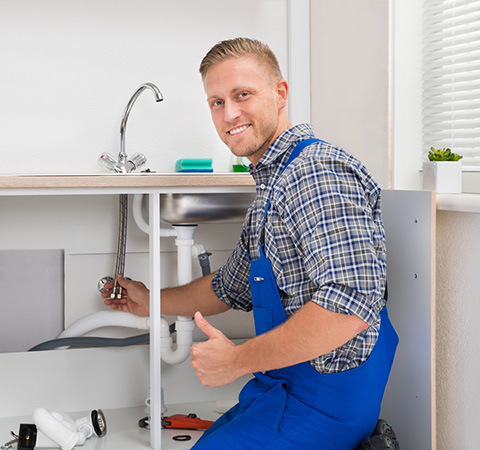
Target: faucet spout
{"x": 125, "y": 164}
{"x": 122, "y": 156}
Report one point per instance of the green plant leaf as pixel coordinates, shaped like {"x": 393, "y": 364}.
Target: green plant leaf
{"x": 443, "y": 154}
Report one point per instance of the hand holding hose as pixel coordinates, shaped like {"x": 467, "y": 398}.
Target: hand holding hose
{"x": 135, "y": 298}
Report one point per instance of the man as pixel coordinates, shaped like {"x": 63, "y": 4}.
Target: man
{"x": 310, "y": 262}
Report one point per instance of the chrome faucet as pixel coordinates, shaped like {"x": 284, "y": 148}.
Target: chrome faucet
{"x": 123, "y": 164}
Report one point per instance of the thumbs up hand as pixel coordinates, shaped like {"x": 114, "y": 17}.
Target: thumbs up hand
{"x": 214, "y": 360}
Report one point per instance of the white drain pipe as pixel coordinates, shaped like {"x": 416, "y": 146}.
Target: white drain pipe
{"x": 183, "y": 325}
{"x": 185, "y": 249}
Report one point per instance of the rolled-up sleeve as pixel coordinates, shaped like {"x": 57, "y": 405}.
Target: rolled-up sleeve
{"x": 342, "y": 243}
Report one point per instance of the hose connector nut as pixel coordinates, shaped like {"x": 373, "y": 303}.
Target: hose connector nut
{"x": 102, "y": 282}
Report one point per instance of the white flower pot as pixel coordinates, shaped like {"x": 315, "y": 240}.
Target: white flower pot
{"x": 444, "y": 177}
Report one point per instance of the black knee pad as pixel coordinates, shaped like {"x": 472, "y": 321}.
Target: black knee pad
{"x": 382, "y": 438}
{"x": 378, "y": 442}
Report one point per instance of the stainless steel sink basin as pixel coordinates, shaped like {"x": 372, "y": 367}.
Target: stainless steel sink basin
{"x": 201, "y": 208}
{"x": 182, "y": 209}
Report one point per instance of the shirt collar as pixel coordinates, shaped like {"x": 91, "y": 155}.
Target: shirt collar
{"x": 282, "y": 145}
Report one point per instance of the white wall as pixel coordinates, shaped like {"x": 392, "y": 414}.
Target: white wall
{"x": 407, "y": 76}
{"x": 34, "y": 306}
{"x": 350, "y": 79}
{"x": 69, "y": 68}
{"x": 458, "y": 309}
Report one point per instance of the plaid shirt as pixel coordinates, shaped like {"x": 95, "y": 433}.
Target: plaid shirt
{"x": 324, "y": 237}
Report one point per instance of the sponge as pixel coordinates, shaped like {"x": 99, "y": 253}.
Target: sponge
{"x": 194, "y": 165}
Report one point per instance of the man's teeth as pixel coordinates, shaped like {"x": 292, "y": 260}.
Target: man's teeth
{"x": 238, "y": 130}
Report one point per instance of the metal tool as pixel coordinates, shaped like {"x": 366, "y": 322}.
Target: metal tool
{"x": 190, "y": 421}
{"x": 8, "y": 445}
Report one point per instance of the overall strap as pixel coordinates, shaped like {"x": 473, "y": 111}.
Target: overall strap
{"x": 298, "y": 149}
{"x": 295, "y": 152}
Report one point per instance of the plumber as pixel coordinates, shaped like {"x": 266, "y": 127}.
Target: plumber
{"x": 310, "y": 262}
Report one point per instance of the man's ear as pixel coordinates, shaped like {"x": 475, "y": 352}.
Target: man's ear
{"x": 282, "y": 93}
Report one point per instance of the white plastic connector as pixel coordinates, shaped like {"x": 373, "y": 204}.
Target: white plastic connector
{"x": 56, "y": 429}
{"x": 198, "y": 249}
{"x": 184, "y": 327}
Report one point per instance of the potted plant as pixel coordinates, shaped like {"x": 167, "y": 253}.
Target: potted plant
{"x": 443, "y": 172}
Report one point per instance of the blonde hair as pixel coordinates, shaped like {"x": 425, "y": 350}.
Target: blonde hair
{"x": 239, "y": 47}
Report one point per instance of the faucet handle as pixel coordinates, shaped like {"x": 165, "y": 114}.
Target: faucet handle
{"x": 138, "y": 159}
{"x": 107, "y": 160}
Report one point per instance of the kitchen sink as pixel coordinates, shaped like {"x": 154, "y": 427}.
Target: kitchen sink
{"x": 188, "y": 209}
{"x": 204, "y": 208}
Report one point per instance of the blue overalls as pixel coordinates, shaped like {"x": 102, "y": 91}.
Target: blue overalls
{"x": 296, "y": 407}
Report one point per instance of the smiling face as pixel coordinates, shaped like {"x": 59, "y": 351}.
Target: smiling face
{"x": 247, "y": 105}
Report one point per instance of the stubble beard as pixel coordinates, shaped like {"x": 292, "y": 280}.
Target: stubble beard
{"x": 255, "y": 148}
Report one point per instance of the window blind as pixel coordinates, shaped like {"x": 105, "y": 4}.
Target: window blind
{"x": 451, "y": 78}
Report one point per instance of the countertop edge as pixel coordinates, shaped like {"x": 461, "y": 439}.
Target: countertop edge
{"x": 466, "y": 203}
{"x": 123, "y": 180}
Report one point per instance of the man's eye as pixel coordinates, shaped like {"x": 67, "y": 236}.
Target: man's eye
{"x": 217, "y": 103}
{"x": 243, "y": 95}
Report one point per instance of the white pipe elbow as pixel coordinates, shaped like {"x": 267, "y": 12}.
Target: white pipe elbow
{"x": 142, "y": 223}
{"x": 138, "y": 215}
{"x": 177, "y": 356}
{"x": 184, "y": 327}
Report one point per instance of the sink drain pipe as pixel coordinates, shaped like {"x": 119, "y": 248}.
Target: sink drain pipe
{"x": 183, "y": 325}
{"x": 186, "y": 250}
{"x": 198, "y": 250}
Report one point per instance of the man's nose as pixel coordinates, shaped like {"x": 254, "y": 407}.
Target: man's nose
{"x": 231, "y": 111}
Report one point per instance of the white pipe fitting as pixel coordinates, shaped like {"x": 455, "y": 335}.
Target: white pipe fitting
{"x": 198, "y": 249}
{"x": 59, "y": 429}
{"x": 184, "y": 243}
{"x": 142, "y": 223}
{"x": 184, "y": 327}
